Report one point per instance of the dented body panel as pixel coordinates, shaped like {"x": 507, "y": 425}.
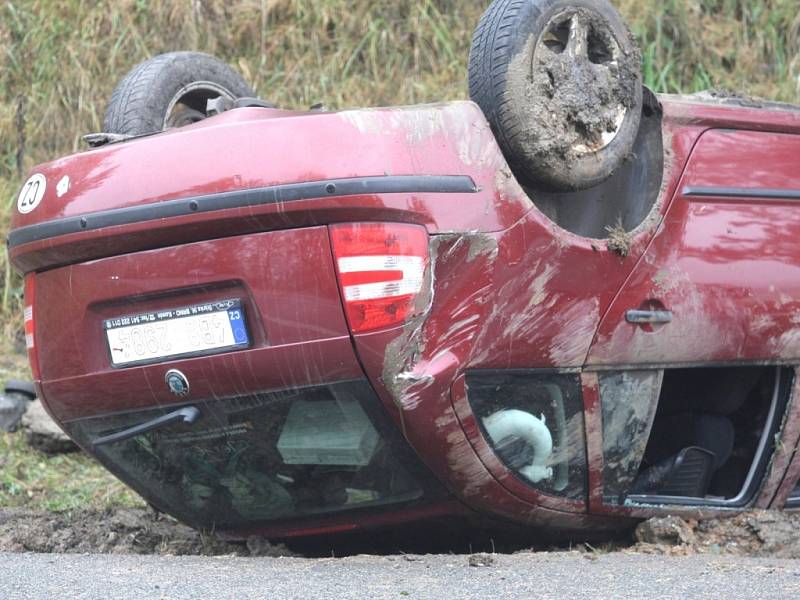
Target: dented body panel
{"x": 244, "y": 214}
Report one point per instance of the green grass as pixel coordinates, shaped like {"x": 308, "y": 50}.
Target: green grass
{"x": 31, "y": 479}
{"x": 750, "y": 46}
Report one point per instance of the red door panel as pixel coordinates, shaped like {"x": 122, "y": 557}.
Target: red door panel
{"x": 725, "y": 263}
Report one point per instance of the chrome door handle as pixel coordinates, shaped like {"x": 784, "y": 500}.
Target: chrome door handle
{"x": 640, "y": 317}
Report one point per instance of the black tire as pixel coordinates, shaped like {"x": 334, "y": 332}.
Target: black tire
{"x": 170, "y": 90}
{"x": 21, "y": 387}
{"x": 561, "y": 86}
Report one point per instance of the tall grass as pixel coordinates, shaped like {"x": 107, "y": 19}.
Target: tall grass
{"x": 65, "y": 56}
{"x": 61, "y": 58}
{"x": 750, "y": 46}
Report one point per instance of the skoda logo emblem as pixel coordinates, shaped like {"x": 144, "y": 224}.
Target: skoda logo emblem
{"x": 177, "y": 382}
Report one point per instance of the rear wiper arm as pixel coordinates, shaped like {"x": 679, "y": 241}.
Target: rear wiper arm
{"x": 187, "y": 414}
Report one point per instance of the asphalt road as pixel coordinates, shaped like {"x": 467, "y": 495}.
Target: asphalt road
{"x": 542, "y": 575}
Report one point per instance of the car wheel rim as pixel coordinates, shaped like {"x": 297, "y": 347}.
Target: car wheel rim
{"x": 188, "y": 105}
{"x": 577, "y": 57}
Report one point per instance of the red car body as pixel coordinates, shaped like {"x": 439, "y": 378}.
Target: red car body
{"x": 248, "y": 206}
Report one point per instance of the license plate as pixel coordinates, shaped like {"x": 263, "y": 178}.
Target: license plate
{"x": 180, "y": 332}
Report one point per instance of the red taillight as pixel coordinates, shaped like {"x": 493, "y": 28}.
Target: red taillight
{"x": 381, "y": 269}
{"x": 30, "y": 329}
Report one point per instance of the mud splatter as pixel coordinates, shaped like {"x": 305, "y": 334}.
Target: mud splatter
{"x": 579, "y": 322}
{"x": 570, "y": 107}
{"x": 401, "y": 356}
{"x": 733, "y": 99}
{"x": 619, "y": 240}
{"x": 403, "y": 353}
{"x": 463, "y": 462}
{"x": 419, "y": 123}
{"x": 478, "y": 244}
{"x": 507, "y": 185}
{"x": 629, "y": 404}
{"x": 729, "y": 97}
{"x": 481, "y": 244}
{"x": 787, "y": 344}
{"x": 664, "y": 282}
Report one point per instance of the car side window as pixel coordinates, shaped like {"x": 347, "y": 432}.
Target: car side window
{"x": 534, "y": 423}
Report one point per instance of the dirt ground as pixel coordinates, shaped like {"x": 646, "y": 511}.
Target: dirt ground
{"x": 759, "y": 533}
{"x": 141, "y": 531}
{"x": 117, "y": 531}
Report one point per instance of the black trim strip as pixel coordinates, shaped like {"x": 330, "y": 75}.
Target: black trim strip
{"x": 736, "y": 192}
{"x": 390, "y": 184}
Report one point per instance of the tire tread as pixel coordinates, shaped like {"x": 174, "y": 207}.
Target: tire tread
{"x": 139, "y": 100}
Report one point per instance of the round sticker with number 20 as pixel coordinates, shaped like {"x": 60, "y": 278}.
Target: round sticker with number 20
{"x": 31, "y": 194}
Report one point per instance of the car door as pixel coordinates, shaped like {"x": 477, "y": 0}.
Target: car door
{"x": 687, "y": 354}
{"x": 720, "y": 281}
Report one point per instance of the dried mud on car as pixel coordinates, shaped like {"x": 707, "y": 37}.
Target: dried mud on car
{"x": 569, "y": 108}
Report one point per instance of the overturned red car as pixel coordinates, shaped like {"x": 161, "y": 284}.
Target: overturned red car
{"x": 568, "y": 314}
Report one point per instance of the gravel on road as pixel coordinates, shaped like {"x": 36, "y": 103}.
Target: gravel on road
{"x": 521, "y": 575}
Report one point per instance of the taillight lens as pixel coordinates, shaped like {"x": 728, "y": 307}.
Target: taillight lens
{"x": 30, "y": 329}
{"x": 381, "y": 269}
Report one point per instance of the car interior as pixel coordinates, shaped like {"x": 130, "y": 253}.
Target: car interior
{"x": 711, "y": 436}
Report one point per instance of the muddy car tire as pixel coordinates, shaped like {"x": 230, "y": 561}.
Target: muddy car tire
{"x": 560, "y": 83}
{"x": 170, "y": 90}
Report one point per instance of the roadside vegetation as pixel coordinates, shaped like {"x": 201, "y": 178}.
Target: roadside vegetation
{"x": 60, "y": 60}
{"x": 67, "y": 482}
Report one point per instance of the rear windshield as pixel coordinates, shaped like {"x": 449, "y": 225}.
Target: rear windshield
{"x": 266, "y": 456}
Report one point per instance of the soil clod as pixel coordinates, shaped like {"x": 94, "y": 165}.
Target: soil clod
{"x": 619, "y": 240}
{"x": 773, "y": 534}
{"x": 481, "y": 560}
